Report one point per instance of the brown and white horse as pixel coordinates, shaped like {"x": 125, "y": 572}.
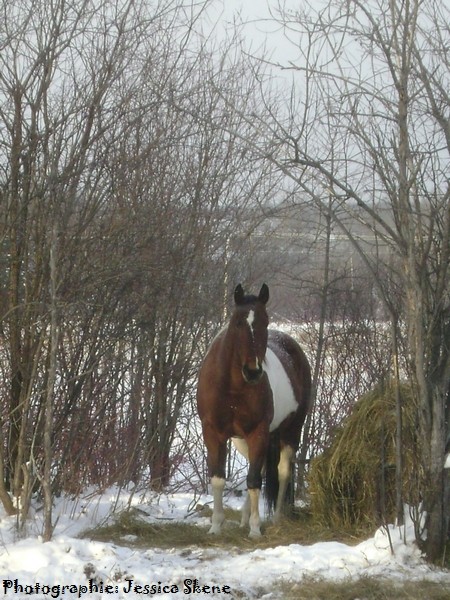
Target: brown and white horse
{"x": 254, "y": 386}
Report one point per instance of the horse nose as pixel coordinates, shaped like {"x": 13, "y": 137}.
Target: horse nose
{"x": 252, "y": 375}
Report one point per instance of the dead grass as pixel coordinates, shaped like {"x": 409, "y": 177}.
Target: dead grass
{"x": 366, "y": 588}
{"x": 131, "y": 529}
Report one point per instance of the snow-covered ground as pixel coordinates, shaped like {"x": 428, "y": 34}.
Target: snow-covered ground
{"x": 63, "y": 567}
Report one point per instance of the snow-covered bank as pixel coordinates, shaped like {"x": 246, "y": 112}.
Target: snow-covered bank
{"x": 70, "y": 567}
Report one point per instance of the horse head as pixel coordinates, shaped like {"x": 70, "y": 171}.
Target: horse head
{"x": 249, "y": 325}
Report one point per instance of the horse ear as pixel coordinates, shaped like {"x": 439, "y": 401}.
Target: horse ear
{"x": 264, "y": 293}
{"x": 238, "y": 294}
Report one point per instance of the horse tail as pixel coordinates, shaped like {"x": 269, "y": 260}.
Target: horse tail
{"x": 271, "y": 483}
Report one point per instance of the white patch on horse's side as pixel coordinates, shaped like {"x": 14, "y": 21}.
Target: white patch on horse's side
{"x": 284, "y": 402}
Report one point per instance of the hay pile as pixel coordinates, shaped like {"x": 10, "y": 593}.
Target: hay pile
{"x": 353, "y": 482}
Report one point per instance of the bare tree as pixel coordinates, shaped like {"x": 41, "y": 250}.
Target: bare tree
{"x": 124, "y": 199}
{"x": 377, "y": 76}
{"x": 63, "y": 94}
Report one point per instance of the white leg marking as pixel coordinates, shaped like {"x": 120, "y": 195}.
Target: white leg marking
{"x": 284, "y": 473}
{"x": 218, "y": 516}
{"x": 254, "y": 521}
{"x": 245, "y": 511}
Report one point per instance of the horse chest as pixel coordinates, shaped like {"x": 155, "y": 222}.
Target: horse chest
{"x": 246, "y": 413}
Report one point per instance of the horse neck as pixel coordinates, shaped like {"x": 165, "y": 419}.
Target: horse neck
{"x": 230, "y": 360}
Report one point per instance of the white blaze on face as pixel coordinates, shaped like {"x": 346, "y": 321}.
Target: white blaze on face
{"x": 250, "y": 319}
{"x": 284, "y": 402}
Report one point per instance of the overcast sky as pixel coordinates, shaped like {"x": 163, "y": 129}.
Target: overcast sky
{"x": 256, "y": 23}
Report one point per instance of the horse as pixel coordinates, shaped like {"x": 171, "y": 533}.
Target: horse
{"x": 254, "y": 386}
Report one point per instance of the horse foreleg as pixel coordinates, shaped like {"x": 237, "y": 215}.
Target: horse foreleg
{"x": 218, "y": 516}
{"x": 216, "y": 467}
{"x": 257, "y": 449}
{"x": 255, "y": 520}
{"x": 284, "y": 474}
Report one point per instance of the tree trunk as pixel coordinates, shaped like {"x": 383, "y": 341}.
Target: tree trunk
{"x": 434, "y": 484}
{"x": 324, "y": 292}
{"x": 48, "y": 422}
{"x": 5, "y": 498}
{"x": 399, "y": 426}
{"x": 431, "y": 414}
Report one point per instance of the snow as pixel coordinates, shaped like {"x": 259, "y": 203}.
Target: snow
{"x": 31, "y": 568}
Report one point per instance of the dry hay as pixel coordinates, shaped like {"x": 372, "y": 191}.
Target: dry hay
{"x": 353, "y": 482}
{"x": 131, "y": 528}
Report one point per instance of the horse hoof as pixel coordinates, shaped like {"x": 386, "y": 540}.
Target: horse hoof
{"x": 254, "y": 534}
{"x": 214, "y": 530}
{"x": 276, "y": 519}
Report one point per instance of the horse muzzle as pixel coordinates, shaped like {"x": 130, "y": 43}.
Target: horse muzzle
{"x": 252, "y": 375}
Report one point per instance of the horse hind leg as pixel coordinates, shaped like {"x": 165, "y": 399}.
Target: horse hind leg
{"x": 284, "y": 475}
{"x": 251, "y": 449}
{"x": 250, "y": 510}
